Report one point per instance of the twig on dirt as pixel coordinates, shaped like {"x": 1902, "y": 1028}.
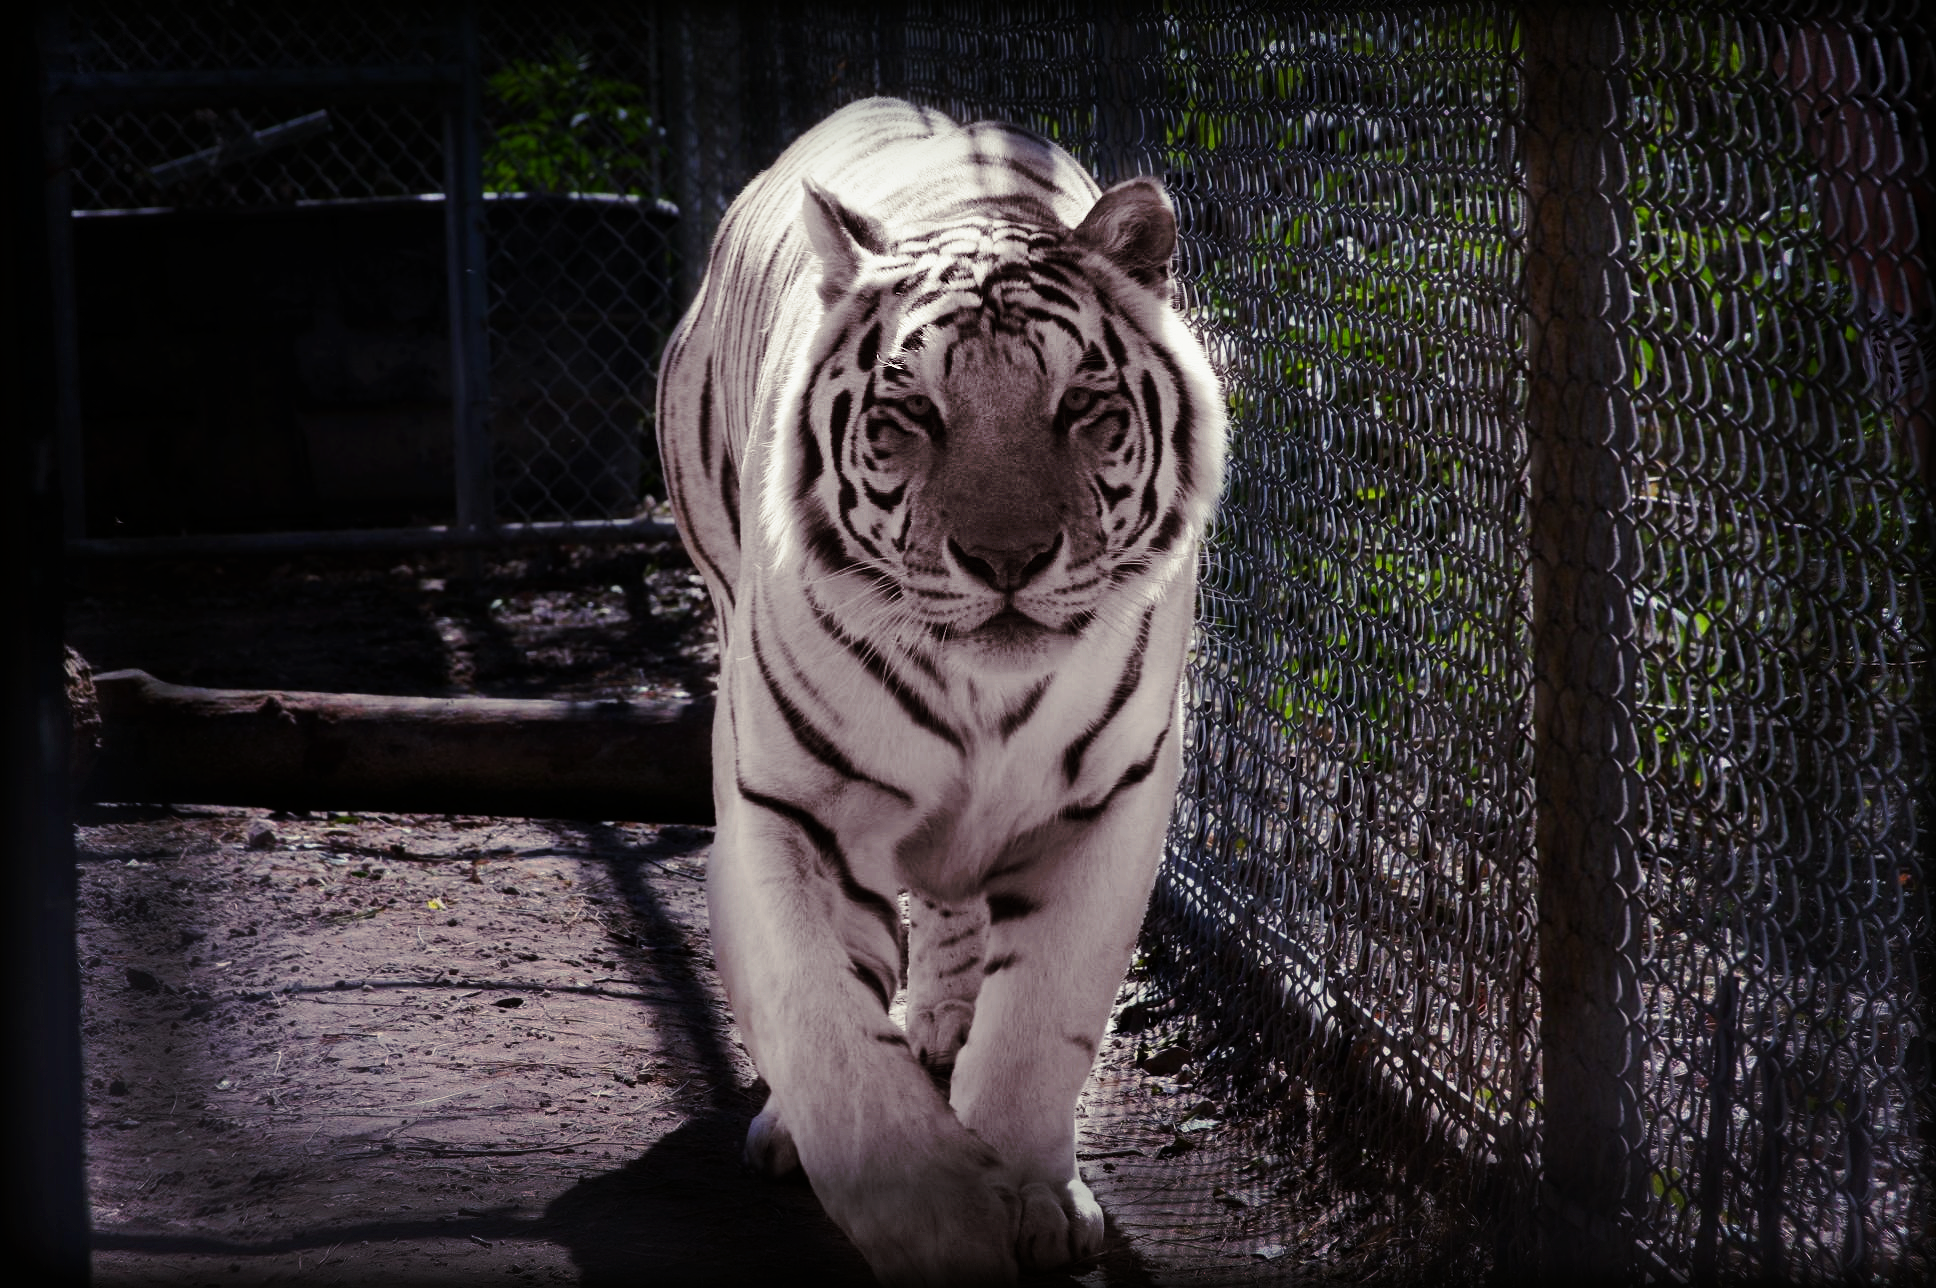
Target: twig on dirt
{"x": 300, "y": 1268}
{"x": 344, "y": 918}
{"x": 411, "y": 1103}
{"x": 461, "y": 1116}
{"x": 393, "y": 1006}
{"x": 445, "y": 1151}
{"x": 670, "y": 871}
{"x": 474, "y": 987}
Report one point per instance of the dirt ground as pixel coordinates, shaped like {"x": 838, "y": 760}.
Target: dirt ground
{"x": 402, "y": 1049}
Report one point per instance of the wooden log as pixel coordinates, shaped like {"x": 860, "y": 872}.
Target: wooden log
{"x": 84, "y": 719}
{"x": 638, "y": 760}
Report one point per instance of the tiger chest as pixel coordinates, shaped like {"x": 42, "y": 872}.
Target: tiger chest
{"x": 993, "y": 778}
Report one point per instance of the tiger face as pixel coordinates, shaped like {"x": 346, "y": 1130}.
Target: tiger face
{"x": 984, "y": 445}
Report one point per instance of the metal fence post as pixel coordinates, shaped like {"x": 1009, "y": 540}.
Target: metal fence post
{"x": 682, "y": 145}
{"x": 1124, "y": 86}
{"x": 69, "y": 443}
{"x": 704, "y": 128}
{"x": 763, "y": 106}
{"x": 1581, "y": 437}
{"x": 890, "y": 45}
{"x": 47, "y": 1218}
{"x": 470, "y": 361}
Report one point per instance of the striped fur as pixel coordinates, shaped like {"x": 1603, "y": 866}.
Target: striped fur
{"x": 944, "y": 453}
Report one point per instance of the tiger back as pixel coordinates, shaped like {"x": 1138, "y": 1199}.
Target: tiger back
{"x": 944, "y": 453}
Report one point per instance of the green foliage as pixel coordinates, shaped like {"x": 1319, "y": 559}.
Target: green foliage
{"x": 561, "y": 127}
{"x": 1373, "y": 292}
{"x": 1669, "y": 1185}
{"x": 1777, "y": 609}
{"x": 1374, "y": 599}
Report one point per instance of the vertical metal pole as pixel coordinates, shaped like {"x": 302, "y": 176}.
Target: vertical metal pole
{"x": 683, "y": 137}
{"x": 761, "y": 131}
{"x": 1771, "y": 1166}
{"x": 1714, "y": 1145}
{"x": 1123, "y": 85}
{"x": 1582, "y": 441}
{"x": 44, "y": 1222}
{"x": 470, "y": 359}
{"x": 890, "y": 45}
{"x": 70, "y": 446}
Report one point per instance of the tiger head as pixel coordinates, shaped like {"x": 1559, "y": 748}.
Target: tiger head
{"x": 1004, "y": 428}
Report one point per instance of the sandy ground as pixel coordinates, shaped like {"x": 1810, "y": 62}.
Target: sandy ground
{"x": 409, "y": 1049}
{"x": 396, "y": 1049}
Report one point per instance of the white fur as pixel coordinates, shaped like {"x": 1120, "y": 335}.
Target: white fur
{"x": 1011, "y": 997}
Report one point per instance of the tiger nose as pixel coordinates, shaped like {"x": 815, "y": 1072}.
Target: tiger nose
{"x": 1006, "y": 568}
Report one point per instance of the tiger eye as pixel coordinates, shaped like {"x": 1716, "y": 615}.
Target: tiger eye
{"x": 1078, "y": 400}
{"x": 918, "y": 405}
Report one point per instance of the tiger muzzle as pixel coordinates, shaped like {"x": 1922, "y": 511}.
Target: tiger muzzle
{"x": 1006, "y": 568}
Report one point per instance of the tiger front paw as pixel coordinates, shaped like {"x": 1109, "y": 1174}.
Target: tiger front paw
{"x": 769, "y": 1148}
{"x": 945, "y": 1220}
{"x": 1061, "y": 1223}
{"x": 937, "y": 1032}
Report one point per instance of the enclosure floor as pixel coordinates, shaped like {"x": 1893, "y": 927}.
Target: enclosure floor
{"x": 395, "y": 1049}
{"x": 250, "y": 1122}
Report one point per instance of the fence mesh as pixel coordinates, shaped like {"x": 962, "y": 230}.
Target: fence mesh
{"x": 166, "y": 154}
{"x": 185, "y": 36}
{"x": 1778, "y": 351}
{"x": 165, "y": 158}
{"x": 580, "y": 268}
{"x": 1354, "y": 852}
{"x": 578, "y": 235}
{"x": 1555, "y": 816}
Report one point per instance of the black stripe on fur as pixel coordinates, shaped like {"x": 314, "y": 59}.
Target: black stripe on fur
{"x": 1125, "y": 686}
{"x": 828, "y": 847}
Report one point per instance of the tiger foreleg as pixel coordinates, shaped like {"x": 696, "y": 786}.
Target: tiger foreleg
{"x": 808, "y": 961}
{"x": 769, "y": 1148}
{"x": 944, "y": 975}
{"x": 1053, "y": 965}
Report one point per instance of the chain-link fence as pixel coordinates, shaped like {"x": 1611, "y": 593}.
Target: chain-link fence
{"x": 1554, "y": 822}
{"x": 581, "y": 273}
{"x": 1555, "y": 807}
{"x": 1775, "y": 316}
{"x": 305, "y": 198}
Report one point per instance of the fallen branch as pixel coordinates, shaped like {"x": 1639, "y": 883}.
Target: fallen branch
{"x": 446, "y": 1151}
{"x": 648, "y": 761}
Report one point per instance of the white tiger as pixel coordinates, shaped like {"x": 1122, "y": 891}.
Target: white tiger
{"x": 944, "y": 452}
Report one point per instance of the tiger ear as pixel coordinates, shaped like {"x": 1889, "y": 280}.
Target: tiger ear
{"x": 841, "y": 237}
{"x": 1133, "y": 225}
